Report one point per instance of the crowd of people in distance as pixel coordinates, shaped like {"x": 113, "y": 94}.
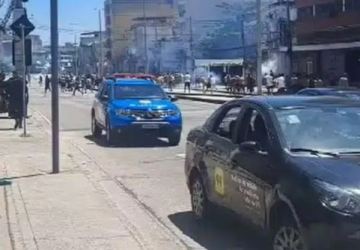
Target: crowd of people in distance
{"x": 239, "y": 84}
{"x": 72, "y": 83}
{"x": 234, "y": 84}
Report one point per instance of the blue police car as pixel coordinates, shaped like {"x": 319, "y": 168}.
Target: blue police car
{"x": 126, "y": 106}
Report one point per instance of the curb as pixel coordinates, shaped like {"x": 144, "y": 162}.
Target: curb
{"x": 205, "y": 94}
{"x": 199, "y": 99}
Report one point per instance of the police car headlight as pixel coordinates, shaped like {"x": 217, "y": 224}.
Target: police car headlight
{"x": 336, "y": 198}
{"x": 172, "y": 112}
{"x": 123, "y": 112}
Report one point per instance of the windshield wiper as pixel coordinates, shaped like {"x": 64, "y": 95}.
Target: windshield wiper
{"x": 313, "y": 151}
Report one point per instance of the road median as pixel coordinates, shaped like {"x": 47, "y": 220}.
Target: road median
{"x": 205, "y": 98}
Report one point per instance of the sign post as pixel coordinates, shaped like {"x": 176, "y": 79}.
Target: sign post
{"x": 24, "y": 79}
{"x": 23, "y": 27}
{"x": 22, "y": 23}
{"x": 54, "y": 27}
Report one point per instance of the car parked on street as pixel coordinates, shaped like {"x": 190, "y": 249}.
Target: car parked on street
{"x": 132, "y": 106}
{"x": 288, "y": 165}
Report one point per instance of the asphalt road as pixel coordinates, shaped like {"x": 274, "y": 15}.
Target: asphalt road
{"x": 153, "y": 173}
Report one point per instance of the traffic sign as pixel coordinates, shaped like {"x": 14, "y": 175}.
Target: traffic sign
{"x": 17, "y": 54}
{"x": 19, "y": 24}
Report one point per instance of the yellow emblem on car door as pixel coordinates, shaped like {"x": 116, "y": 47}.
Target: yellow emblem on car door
{"x": 219, "y": 181}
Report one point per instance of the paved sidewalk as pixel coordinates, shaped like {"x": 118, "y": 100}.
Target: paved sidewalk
{"x": 80, "y": 208}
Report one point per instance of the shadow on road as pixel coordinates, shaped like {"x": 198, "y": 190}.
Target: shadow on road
{"x": 6, "y": 129}
{"x": 223, "y": 231}
{"x": 5, "y": 182}
{"x": 21, "y": 177}
{"x": 140, "y": 141}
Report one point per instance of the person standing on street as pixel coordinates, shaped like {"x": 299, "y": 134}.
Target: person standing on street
{"x": 344, "y": 81}
{"x": 171, "y": 82}
{"x": 40, "y": 80}
{"x": 4, "y": 100}
{"x": 269, "y": 83}
{"x": 250, "y": 83}
{"x": 311, "y": 83}
{"x": 77, "y": 86}
{"x": 16, "y": 100}
{"x": 211, "y": 83}
{"x": 47, "y": 84}
{"x": 187, "y": 82}
{"x": 280, "y": 84}
{"x": 208, "y": 84}
{"x": 227, "y": 82}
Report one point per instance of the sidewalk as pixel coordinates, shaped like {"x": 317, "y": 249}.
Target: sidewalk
{"x": 80, "y": 208}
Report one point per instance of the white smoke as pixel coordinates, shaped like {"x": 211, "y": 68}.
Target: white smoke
{"x": 270, "y": 65}
{"x": 202, "y": 72}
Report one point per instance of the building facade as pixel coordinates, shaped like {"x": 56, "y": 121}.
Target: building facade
{"x": 328, "y": 39}
{"x": 89, "y": 53}
{"x": 278, "y": 29}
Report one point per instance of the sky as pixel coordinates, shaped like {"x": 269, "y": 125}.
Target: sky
{"x": 75, "y": 17}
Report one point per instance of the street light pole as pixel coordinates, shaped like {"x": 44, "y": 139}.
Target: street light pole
{"x": 259, "y": 48}
{"x": 17, "y": 13}
{"x": 76, "y": 59}
{"x": 101, "y": 61}
{"x": 243, "y": 43}
{"x": 24, "y": 79}
{"x": 289, "y": 38}
{"x": 145, "y": 39}
{"x": 55, "y": 85}
{"x": 192, "y": 46}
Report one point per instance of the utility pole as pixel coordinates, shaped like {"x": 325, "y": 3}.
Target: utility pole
{"x": 158, "y": 42}
{"x": 192, "y": 46}
{"x": 101, "y": 61}
{"x": 76, "y": 59}
{"x": 243, "y": 43}
{"x": 289, "y": 38}
{"x": 24, "y": 79}
{"x": 145, "y": 38}
{"x": 55, "y": 85}
{"x": 259, "y": 48}
{"x": 17, "y": 13}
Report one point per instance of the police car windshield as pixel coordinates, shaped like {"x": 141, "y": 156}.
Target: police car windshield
{"x": 139, "y": 92}
{"x": 321, "y": 128}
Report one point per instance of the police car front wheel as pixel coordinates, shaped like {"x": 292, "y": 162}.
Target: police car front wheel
{"x": 174, "y": 139}
{"x": 110, "y": 134}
